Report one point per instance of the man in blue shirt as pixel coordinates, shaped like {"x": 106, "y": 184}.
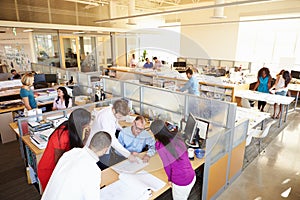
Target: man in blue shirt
{"x": 148, "y": 64}
{"x": 192, "y": 85}
{"x": 135, "y": 138}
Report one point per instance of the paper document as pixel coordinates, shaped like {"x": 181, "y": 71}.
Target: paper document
{"x": 129, "y": 167}
{"x": 132, "y": 187}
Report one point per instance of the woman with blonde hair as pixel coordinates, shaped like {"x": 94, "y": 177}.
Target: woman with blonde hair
{"x": 26, "y": 92}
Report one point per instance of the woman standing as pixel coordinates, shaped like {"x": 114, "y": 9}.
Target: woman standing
{"x": 26, "y": 92}
{"x": 63, "y": 100}
{"x": 173, "y": 154}
{"x": 65, "y": 137}
{"x": 263, "y": 84}
{"x": 280, "y": 88}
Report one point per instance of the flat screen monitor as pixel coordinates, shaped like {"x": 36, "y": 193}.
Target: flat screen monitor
{"x": 202, "y": 127}
{"x": 39, "y": 78}
{"x": 179, "y": 64}
{"x": 190, "y": 130}
{"x": 51, "y": 78}
{"x": 295, "y": 74}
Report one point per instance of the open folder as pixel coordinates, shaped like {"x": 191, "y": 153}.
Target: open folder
{"x": 132, "y": 187}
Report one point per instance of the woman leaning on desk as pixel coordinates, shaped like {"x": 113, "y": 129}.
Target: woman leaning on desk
{"x": 263, "y": 84}
{"x": 66, "y": 136}
{"x": 280, "y": 88}
{"x": 173, "y": 154}
{"x": 63, "y": 100}
{"x": 26, "y": 92}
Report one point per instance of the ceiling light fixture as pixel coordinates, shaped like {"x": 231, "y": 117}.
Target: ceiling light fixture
{"x": 78, "y": 32}
{"x": 185, "y": 10}
{"x": 27, "y": 30}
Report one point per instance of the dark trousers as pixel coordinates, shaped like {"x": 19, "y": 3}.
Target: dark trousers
{"x": 261, "y": 105}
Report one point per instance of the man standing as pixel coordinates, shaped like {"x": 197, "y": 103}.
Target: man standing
{"x": 76, "y": 175}
{"x": 107, "y": 120}
{"x": 136, "y": 138}
{"x": 192, "y": 85}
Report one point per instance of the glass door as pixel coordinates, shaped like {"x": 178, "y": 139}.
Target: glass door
{"x": 70, "y": 51}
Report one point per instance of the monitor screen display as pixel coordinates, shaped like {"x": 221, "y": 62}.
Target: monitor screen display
{"x": 39, "y": 78}
{"x": 179, "y": 64}
{"x": 190, "y": 128}
{"x": 50, "y": 78}
{"x": 295, "y": 74}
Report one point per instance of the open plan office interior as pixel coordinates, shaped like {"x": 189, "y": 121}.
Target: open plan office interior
{"x": 97, "y": 50}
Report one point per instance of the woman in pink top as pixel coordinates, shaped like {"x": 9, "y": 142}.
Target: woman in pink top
{"x": 173, "y": 154}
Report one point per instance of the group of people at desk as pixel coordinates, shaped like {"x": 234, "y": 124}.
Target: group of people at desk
{"x": 62, "y": 101}
{"x": 69, "y": 167}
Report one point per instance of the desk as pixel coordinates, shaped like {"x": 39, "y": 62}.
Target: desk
{"x": 255, "y": 116}
{"x": 155, "y": 168}
{"x": 296, "y": 88}
{"x": 284, "y": 101}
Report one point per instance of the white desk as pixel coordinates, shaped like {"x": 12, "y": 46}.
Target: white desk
{"x": 284, "y": 101}
{"x": 254, "y": 115}
{"x": 296, "y": 88}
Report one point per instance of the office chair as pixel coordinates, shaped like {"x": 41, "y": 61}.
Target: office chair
{"x": 245, "y": 103}
{"x": 261, "y": 134}
{"x": 248, "y": 141}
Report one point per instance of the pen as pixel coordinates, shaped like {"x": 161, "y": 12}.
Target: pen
{"x": 102, "y": 186}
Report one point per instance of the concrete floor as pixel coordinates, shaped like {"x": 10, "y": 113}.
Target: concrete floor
{"x": 275, "y": 173}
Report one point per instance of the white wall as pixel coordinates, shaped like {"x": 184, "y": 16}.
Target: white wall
{"x": 219, "y": 41}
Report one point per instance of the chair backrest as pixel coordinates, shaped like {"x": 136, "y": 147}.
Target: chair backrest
{"x": 245, "y": 103}
{"x": 267, "y": 129}
{"x": 248, "y": 139}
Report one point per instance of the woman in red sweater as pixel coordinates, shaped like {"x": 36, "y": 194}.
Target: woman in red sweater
{"x": 65, "y": 137}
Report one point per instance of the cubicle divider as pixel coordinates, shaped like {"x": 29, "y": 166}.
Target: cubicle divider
{"x": 31, "y": 153}
{"x": 225, "y": 144}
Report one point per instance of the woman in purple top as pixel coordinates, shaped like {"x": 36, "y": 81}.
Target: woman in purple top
{"x": 173, "y": 154}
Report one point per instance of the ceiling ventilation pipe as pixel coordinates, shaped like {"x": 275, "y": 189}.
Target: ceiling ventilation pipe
{"x": 131, "y": 9}
{"x": 219, "y": 11}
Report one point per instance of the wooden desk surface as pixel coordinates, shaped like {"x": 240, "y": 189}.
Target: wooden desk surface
{"x": 155, "y": 168}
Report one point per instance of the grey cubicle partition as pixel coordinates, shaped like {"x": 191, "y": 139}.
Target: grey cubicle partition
{"x": 31, "y": 157}
{"x": 225, "y": 143}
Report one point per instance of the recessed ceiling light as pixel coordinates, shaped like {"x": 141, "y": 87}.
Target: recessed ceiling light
{"x": 28, "y": 30}
{"x": 78, "y": 32}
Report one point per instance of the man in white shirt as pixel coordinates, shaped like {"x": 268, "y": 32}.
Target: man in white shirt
{"x": 107, "y": 120}
{"x": 135, "y": 138}
{"x": 157, "y": 63}
{"x": 76, "y": 175}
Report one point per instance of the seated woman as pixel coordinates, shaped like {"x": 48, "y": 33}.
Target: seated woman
{"x": 63, "y": 100}
{"x": 66, "y": 136}
{"x": 280, "y": 88}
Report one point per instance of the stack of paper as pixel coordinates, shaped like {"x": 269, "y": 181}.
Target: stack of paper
{"x": 132, "y": 187}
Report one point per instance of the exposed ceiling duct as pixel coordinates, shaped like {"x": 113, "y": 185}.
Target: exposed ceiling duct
{"x": 219, "y": 11}
{"x": 131, "y": 10}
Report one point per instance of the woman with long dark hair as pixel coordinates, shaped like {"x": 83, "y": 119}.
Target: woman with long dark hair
{"x": 263, "y": 84}
{"x": 280, "y": 88}
{"x": 63, "y": 100}
{"x": 66, "y": 136}
{"x": 174, "y": 156}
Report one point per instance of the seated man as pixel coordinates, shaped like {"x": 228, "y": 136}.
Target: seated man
{"x": 15, "y": 74}
{"x": 135, "y": 138}
{"x": 148, "y": 64}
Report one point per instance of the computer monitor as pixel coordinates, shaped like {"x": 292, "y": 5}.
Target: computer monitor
{"x": 51, "y": 78}
{"x": 295, "y": 74}
{"x": 179, "y": 64}
{"x": 190, "y": 131}
{"x": 39, "y": 78}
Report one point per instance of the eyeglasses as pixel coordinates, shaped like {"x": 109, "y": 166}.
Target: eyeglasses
{"x": 138, "y": 128}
